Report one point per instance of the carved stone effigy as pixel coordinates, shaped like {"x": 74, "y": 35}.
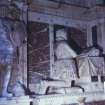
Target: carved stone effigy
{"x": 89, "y": 64}
{"x": 65, "y": 68}
{"x": 12, "y": 34}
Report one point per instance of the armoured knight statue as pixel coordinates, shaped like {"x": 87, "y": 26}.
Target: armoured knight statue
{"x": 65, "y": 68}
{"x": 64, "y": 73}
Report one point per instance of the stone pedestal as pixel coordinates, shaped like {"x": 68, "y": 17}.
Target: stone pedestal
{"x": 24, "y": 100}
{"x": 70, "y": 99}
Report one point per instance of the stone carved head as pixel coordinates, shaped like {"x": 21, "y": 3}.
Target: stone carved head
{"x": 61, "y": 34}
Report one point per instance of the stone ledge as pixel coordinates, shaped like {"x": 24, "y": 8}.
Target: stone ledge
{"x": 24, "y": 100}
{"x": 59, "y": 99}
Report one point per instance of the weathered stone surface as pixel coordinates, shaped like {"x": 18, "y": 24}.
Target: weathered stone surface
{"x": 38, "y": 52}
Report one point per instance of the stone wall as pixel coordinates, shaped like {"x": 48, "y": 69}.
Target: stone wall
{"x": 38, "y": 51}
{"x": 78, "y": 37}
{"x": 81, "y": 3}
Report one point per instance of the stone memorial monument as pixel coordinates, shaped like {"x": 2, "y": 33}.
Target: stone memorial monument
{"x": 65, "y": 68}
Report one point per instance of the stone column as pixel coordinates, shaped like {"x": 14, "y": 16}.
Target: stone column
{"x": 51, "y": 41}
{"x": 99, "y": 34}
{"x": 23, "y": 64}
{"x": 103, "y": 35}
{"x": 89, "y": 36}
